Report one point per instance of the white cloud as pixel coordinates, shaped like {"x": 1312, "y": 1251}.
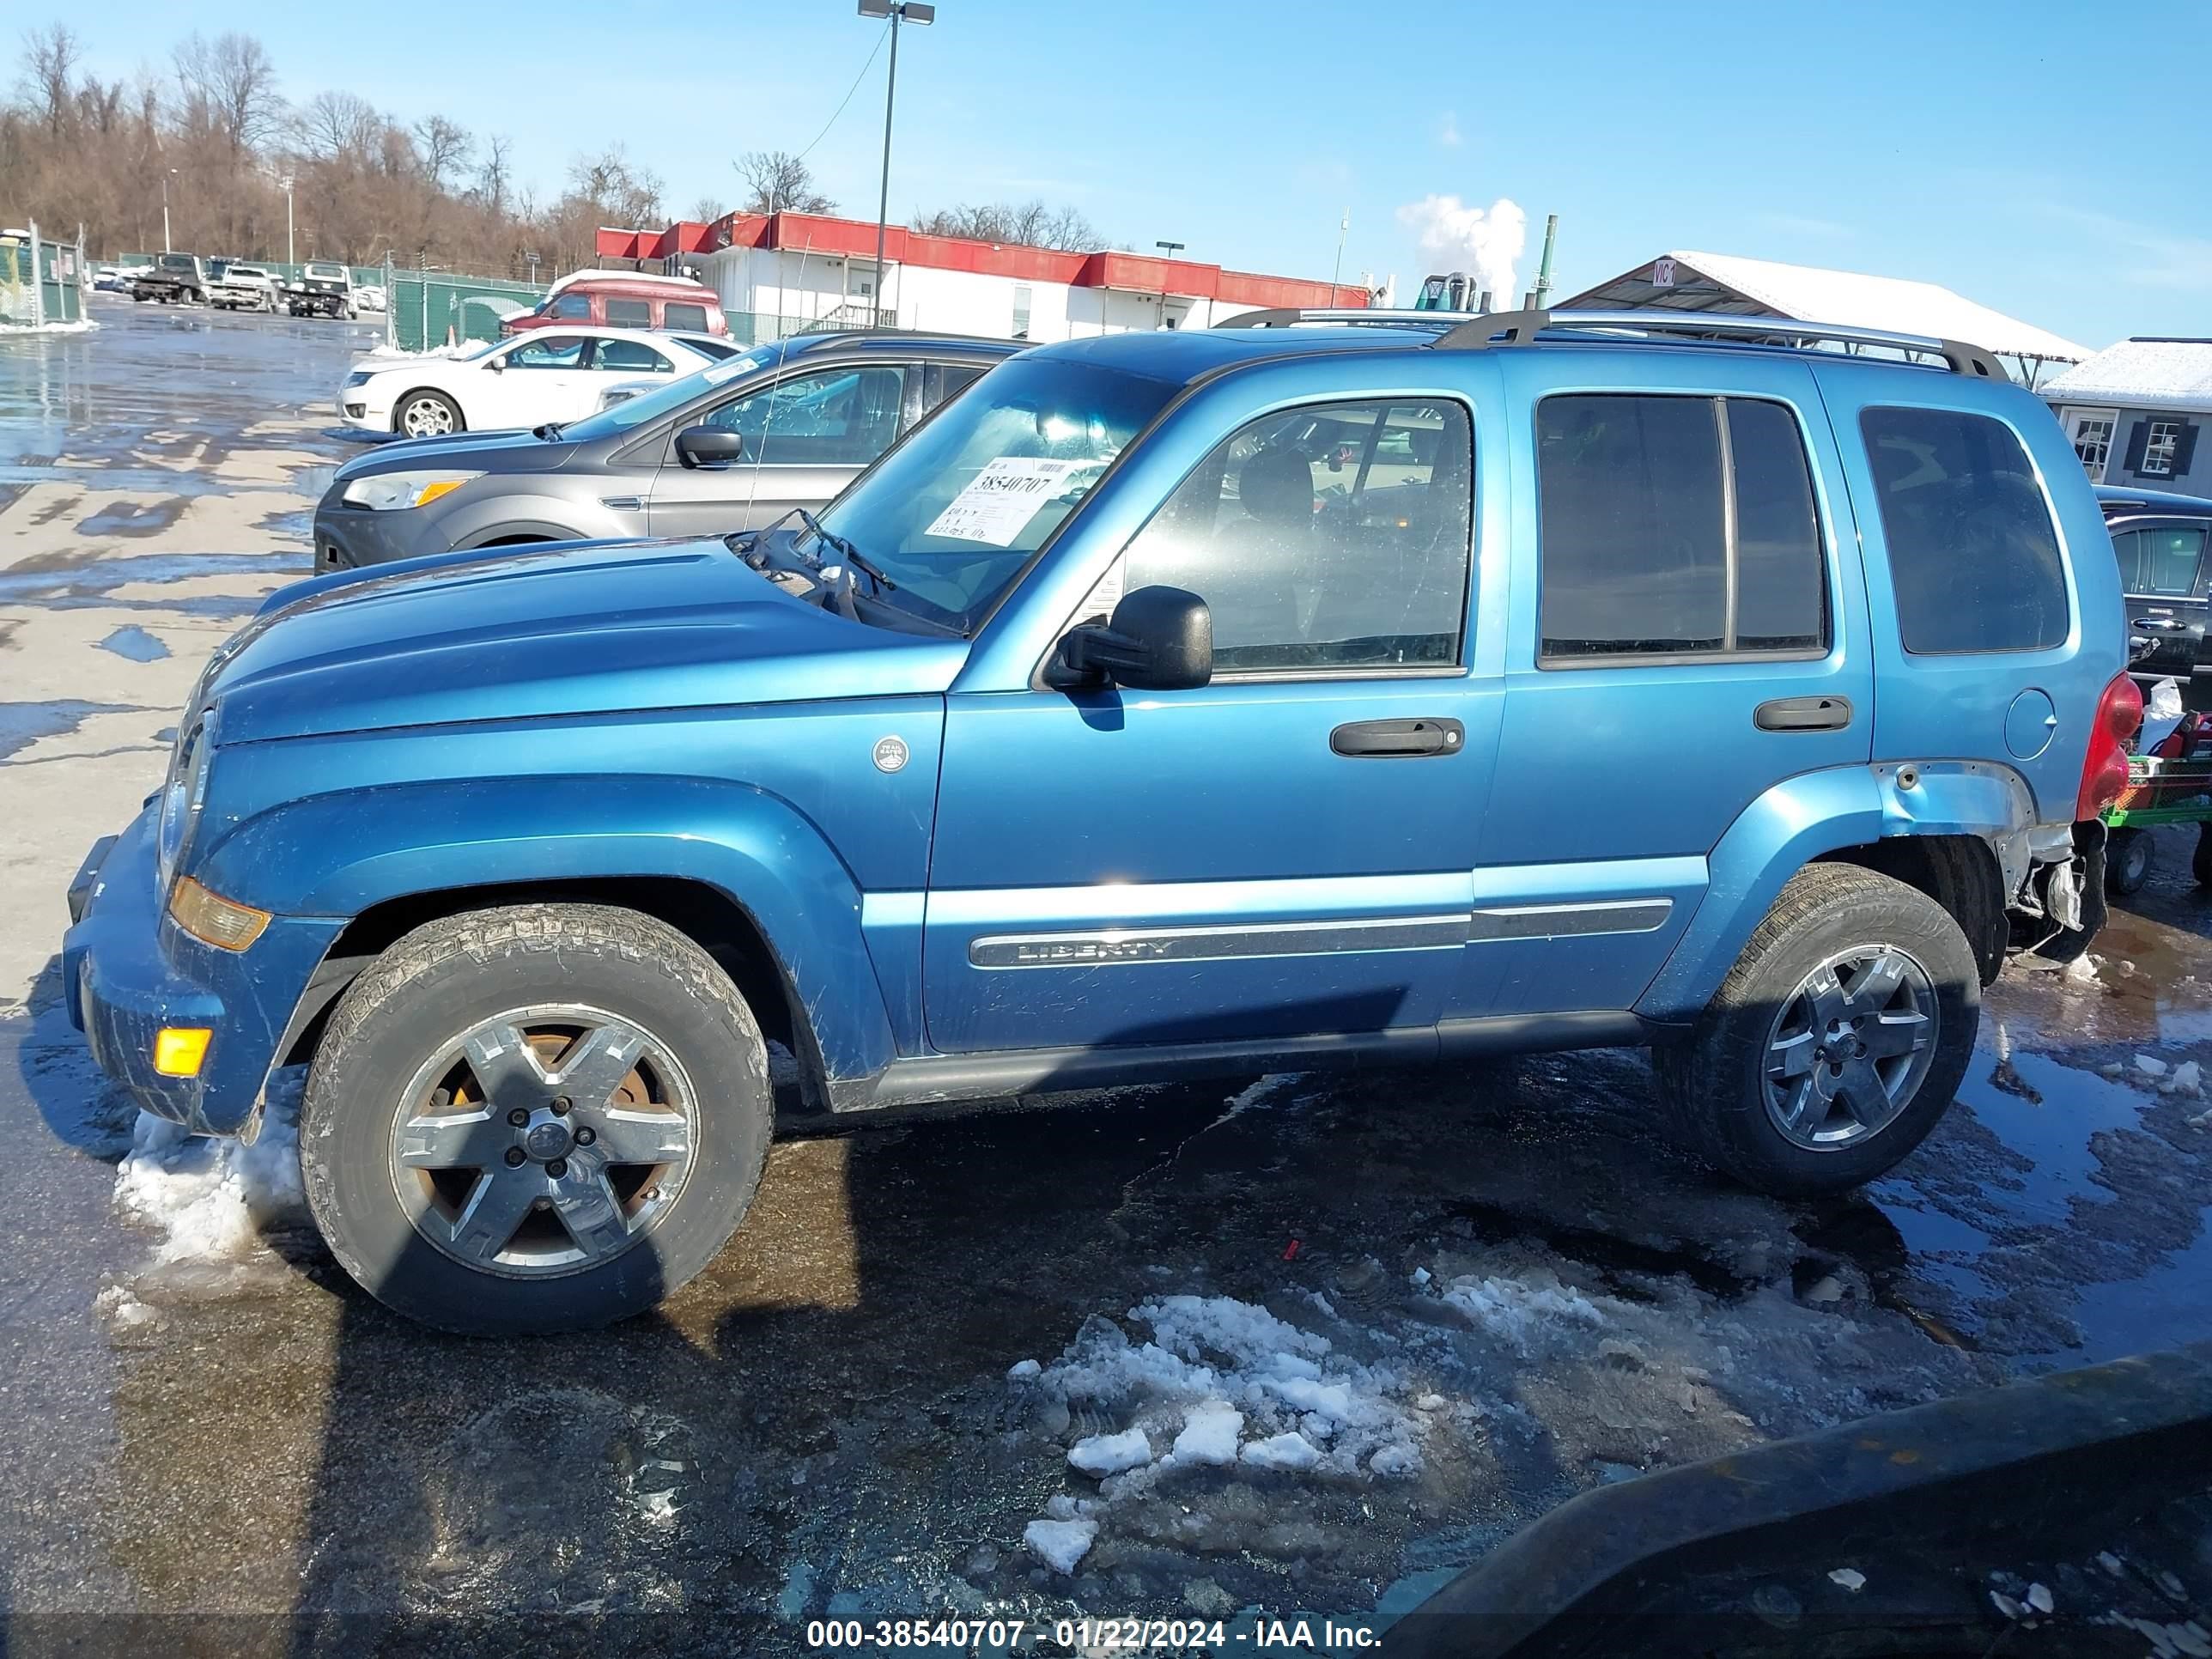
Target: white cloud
{"x": 1487, "y": 241}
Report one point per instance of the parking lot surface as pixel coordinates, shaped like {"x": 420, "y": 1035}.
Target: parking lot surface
{"x": 1477, "y": 1290}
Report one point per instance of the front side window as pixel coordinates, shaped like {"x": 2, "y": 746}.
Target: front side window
{"x": 561, "y": 351}
{"x": 1676, "y": 526}
{"x": 630, "y": 357}
{"x": 1974, "y": 555}
{"x": 842, "y": 416}
{"x": 676, "y": 314}
{"x": 629, "y": 313}
{"x": 2159, "y": 443}
{"x": 1333, "y": 536}
{"x": 2158, "y": 561}
{"x": 571, "y": 308}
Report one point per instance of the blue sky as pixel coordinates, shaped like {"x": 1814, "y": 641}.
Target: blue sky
{"x": 2045, "y": 159}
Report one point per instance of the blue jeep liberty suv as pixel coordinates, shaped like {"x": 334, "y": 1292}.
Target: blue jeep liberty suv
{"x": 1335, "y": 689}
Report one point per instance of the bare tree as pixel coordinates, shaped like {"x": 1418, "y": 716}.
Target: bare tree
{"x": 1030, "y": 223}
{"x": 333, "y": 125}
{"x": 231, "y": 81}
{"x": 445, "y": 147}
{"x": 49, "y": 58}
{"x": 779, "y": 182}
{"x": 706, "y": 210}
{"x": 622, "y": 193}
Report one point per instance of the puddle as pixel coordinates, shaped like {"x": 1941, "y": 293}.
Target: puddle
{"x": 135, "y": 642}
{"x": 2055, "y": 1132}
{"x": 22, "y": 724}
{"x": 131, "y": 519}
{"x": 293, "y": 526}
{"x": 66, "y": 582}
{"x": 1620, "y": 1261}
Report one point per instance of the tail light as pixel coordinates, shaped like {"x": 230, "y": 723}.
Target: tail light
{"x": 2104, "y": 773}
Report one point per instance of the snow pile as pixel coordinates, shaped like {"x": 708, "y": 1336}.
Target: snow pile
{"x": 1110, "y": 1454}
{"x": 1060, "y": 1543}
{"x": 1521, "y": 1312}
{"x": 1210, "y": 1431}
{"x": 11, "y": 330}
{"x": 210, "y": 1198}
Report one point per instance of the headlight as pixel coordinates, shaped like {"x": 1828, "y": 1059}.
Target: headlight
{"x": 391, "y": 492}
{"x": 359, "y": 377}
{"x": 182, "y": 795}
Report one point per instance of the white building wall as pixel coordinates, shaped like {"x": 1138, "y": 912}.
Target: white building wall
{"x": 793, "y": 283}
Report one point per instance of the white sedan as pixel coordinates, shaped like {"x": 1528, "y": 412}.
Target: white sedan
{"x": 547, "y": 374}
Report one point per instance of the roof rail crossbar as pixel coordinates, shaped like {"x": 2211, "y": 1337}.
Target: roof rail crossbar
{"x": 1289, "y": 316}
{"x": 1513, "y": 328}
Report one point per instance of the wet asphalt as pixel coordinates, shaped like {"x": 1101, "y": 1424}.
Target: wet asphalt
{"x": 244, "y": 1454}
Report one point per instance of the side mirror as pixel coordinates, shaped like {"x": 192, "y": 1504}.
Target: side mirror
{"x": 497, "y": 365}
{"x": 708, "y": 445}
{"x": 1161, "y": 639}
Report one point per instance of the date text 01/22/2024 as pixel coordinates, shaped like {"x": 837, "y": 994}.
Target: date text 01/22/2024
{"x": 1091, "y": 1635}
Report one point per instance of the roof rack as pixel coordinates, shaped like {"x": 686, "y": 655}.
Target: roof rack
{"x": 1462, "y": 331}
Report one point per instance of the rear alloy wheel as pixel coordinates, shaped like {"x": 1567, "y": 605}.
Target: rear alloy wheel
{"x": 537, "y": 1118}
{"x": 427, "y": 414}
{"x": 1837, "y": 1041}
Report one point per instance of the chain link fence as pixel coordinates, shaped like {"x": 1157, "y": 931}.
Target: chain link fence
{"x": 428, "y": 308}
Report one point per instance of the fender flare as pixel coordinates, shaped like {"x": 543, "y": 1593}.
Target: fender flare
{"x": 1813, "y": 813}
{"x": 337, "y": 855}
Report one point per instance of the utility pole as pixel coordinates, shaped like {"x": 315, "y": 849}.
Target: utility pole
{"x": 291, "y": 257}
{"x": 166, "y": 246}
{"x": 1343, "y": 229}
{"x": 1170, "y": 249}
{"x": 909, "y": 11}
{"x": 1544, "y": 269}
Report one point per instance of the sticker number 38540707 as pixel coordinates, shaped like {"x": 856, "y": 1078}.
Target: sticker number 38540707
{"x": 1000, "y": 499}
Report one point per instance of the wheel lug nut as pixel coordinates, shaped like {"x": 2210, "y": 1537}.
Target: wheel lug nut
{"x": 518, "y": 1117}
{"x": 557, "y": 1168}
{"x": 584, "y": 1137}
{"x": 560, "y": 1105}
{"x": 441, "y": 1097}
{"x": 516, "y": 1158}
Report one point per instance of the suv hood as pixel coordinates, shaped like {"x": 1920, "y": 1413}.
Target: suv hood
{"x": 527, "y": 633}
{"x": 514, "y": 451}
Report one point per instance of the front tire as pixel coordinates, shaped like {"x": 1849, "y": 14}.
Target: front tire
{"x": 539, "y": 1118}
{"x": 1835, "y": 1043}
{"x": 427, "y": 414}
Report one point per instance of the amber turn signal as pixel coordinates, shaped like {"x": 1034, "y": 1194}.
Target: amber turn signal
{"x": 212, "y": 919}
{"x": 179, "y": 1049}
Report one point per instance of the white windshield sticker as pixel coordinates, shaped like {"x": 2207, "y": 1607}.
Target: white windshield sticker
{"x": 1002, "y": 498}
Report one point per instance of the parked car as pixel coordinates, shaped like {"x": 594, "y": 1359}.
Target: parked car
{"x": 620, "y": 298}
{"x": 1119, "y": 725}
{"x": 811, "y": 413}
{"x": 322, "y": 289}
{"x": 2159, "y": 538}
{"x": 244, "y": 287}
{"x": 114, "y": 279}
{"x": 370, "y": 296}
{"x": 523, "y": 382}
{"x": 172, "y": 279}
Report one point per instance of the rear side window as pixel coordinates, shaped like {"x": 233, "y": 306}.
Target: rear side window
{"x": 629, "y": 313}
{"x": 1676, "y": 526}
{"x": 1972, "y": 552}
{"x": 683, "y": 316}
{"x": 2162, "y": 562}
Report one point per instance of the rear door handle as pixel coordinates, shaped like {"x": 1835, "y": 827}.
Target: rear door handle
{"x": 1803, "y": 715}
{"x": 1385, "y": 737}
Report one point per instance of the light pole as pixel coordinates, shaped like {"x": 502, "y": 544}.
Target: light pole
{"x": 291, "y": 256}
{"x": 899, "y": 11}
{"x": 1343, "y": 229}
{"x": 165, "y": 177}
{"x": 1170, "y": 249}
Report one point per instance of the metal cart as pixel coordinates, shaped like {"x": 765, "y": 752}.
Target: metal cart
{"x": 2161, "y": 790}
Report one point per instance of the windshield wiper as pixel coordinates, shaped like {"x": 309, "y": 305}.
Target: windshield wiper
{"x": 846, "y": 551}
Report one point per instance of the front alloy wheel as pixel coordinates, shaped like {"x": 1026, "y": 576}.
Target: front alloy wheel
{"x": 1846, "y": 1053}
{"x": 543, "y": 1140}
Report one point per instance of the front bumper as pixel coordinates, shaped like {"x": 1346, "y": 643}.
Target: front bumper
{"x": 353, "y": 538}
{"x": 127, "y": 971}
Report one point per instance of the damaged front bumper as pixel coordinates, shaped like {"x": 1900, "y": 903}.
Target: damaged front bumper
{"x": 128, "y": 972}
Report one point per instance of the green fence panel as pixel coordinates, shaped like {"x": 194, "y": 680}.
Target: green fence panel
{"x": 428, "y": 308}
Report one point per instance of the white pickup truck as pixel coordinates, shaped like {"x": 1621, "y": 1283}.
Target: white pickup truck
{"x": 245, "y": 287}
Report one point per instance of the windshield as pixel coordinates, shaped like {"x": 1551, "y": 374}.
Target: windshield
{"x": 635, "y": 412}
{"x": 953, "y": 514}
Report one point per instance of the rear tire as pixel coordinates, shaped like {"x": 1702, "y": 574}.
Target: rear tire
{"x": 1797, "y": 1079}
{"x": 477, "y": 1164}
{"x": 2200, "y": 862}
{"x": 2128, "y": 855}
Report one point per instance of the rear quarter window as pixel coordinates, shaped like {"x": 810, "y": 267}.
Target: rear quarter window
{"x": 629, "y": 313}
{"x": 1973, "y": 555}
{"x": 683, "y": 316}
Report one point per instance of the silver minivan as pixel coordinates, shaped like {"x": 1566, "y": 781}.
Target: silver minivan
{"x": 733, "y": 447}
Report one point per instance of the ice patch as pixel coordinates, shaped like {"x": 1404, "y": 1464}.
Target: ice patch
{"x": 1209, "y": 1434}
{"x": 1517, "y": 1311}
{"x": 1395, "y": 1462}
{"x": 210, "y": 1198}
{"x": 1850, "y": 1577}
{"x": 2151, "y": 1066}
{"x": 1110, "y": 1454}
{"x": 1022, "y": 1368}
{"x": 1282, "y": 1451}
{"x": 1060, "y": 1543}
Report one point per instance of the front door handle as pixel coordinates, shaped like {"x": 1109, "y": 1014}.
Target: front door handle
{"x": 2163, "y": 624}
{"x": 1803, "y": 715}
{"x": 1385, "y": 737}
